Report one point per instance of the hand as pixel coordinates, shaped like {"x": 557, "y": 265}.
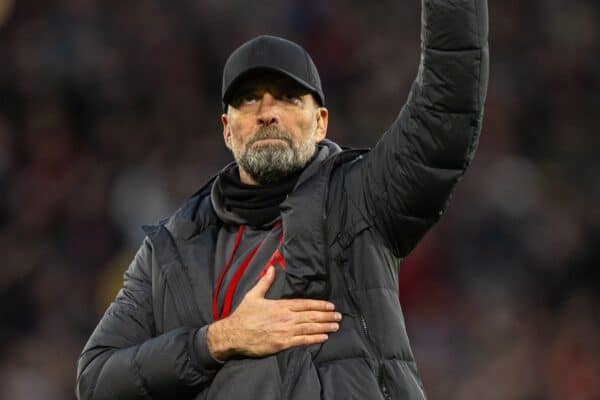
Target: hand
{"x": 261, "y": 327}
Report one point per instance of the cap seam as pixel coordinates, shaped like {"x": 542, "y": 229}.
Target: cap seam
{"x": 306, "y": 66}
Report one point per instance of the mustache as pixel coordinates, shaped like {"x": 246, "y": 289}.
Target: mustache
{"x": 270, "y": 132}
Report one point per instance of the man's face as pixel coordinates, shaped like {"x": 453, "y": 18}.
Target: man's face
{"x": 272, "y": 126}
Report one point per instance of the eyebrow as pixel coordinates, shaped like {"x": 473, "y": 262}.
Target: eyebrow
{"x": 243, "y": 91}
{"x": 291, "y": 88}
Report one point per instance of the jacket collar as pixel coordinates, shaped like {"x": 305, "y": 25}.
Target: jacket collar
{"x": 197, "y": 213}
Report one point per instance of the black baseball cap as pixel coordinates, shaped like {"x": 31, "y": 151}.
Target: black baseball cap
{"x": 271, "y": 53}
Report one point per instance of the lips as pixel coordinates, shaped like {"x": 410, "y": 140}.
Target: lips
{"x": 270, "y": 133}
{"x": 270, "y": 139}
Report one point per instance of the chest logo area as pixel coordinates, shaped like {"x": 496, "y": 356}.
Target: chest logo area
{"x": 275, "y": 261}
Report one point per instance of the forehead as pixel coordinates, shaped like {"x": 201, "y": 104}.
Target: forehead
{"x": 268, "y": 80}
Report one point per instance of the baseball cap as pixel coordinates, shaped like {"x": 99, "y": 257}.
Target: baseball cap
{"x": 271, "y": 53}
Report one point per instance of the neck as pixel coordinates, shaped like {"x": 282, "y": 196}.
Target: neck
{"x": 245, "y": 178}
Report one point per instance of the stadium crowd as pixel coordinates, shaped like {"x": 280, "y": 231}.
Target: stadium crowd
{"x": 109, "y": 118}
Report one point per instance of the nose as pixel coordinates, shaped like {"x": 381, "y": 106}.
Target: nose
{"x": 267, "y": 112}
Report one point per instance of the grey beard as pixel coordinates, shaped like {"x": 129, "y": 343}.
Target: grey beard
{"x": 271, "y": 162}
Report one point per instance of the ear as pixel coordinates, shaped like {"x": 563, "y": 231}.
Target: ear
{"x": 226, "y": 131}
{"x": 322, "y": 116}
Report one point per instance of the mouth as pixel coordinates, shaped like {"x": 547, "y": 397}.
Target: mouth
{"x": 270, "y": 140}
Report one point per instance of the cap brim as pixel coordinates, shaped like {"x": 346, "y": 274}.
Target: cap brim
{"x": 238, "y": 79}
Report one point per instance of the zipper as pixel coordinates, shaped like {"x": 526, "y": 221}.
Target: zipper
{"x": 324, "y": 227}
{"x": 382, "y": 386}
{"x": 365, "y": 328}
{"x": 324, "y": 230}
{"x": 384, "y": 390}
{"x": 363, "y": 323}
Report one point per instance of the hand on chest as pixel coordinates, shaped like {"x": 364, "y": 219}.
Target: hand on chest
{"x": 240, "y": 260}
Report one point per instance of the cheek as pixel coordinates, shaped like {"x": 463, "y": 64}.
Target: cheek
{"x": 238, "y": 134}
{"x": 307, "y": 126}
{"x": 302, "y": 122}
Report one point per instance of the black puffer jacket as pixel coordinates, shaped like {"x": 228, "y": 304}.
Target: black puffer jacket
{"x": 346, "y": 227}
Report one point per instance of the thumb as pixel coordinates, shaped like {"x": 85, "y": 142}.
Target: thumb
{"x": 262, "y": 286}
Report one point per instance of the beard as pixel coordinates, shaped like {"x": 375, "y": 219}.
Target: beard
{"x": 271, "y": 162}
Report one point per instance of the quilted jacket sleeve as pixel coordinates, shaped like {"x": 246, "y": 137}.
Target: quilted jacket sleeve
{"x": 124, "y": 359}
{"x": 407, "y": 180}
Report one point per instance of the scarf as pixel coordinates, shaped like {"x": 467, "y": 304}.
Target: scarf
{"x": 258, "y": 205}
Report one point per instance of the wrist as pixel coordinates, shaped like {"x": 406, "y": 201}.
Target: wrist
{"x": 200, "y": 357}
{"x": 219, "y": 341}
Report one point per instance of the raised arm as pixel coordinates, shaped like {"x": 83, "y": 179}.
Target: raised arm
{"x": 408, "y": 178}
{"x": 123, "y": 360}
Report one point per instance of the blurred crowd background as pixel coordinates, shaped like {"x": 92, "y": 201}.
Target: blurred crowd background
{"x": 109, "y": 118}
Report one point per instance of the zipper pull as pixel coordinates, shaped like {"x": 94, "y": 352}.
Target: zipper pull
{"x": 386, "y": 394}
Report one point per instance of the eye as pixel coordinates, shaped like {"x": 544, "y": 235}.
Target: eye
{"x": 249, "y": 98}
{"x": 292, "y": 97}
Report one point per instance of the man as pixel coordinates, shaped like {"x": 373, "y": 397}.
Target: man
{"x": 278, "y": 279}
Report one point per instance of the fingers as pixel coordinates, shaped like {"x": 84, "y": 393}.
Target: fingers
{"x": 262, "y": 286}
{"x": 313, "y": 328}
{"x": 306, "y": 334}
{"x": 317, "y": 316}
{"x": 308, "y": 305}
{"x": 305, "y": 340}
